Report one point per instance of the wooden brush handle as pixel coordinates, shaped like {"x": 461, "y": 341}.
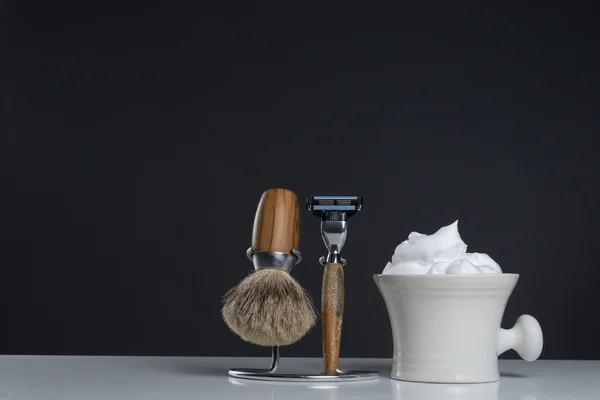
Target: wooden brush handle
{"x": 332, "y": 312}
{"x": 277, "y": 222}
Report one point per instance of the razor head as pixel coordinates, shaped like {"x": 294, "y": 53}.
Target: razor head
{"x": 334, "y": 208}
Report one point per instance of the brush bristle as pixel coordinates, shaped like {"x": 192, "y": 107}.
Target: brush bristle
{"x": 269, "y": 308}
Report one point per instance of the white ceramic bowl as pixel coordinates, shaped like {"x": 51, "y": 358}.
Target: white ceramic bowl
{"x": 446, "y": 328}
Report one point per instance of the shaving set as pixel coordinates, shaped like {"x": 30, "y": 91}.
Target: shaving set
{"x": 445, "y": 304}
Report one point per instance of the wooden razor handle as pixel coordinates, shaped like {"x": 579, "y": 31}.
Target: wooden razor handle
{"x": 332, "y": 312}
{"x": 277, "y": 222}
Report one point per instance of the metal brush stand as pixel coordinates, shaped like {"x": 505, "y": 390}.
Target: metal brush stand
{"x": 286, "y": 262}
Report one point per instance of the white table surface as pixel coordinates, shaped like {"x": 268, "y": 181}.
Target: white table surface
{"x": 150, "y": 378}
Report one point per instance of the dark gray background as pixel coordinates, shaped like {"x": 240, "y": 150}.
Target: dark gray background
{"x": 137, "y": 140}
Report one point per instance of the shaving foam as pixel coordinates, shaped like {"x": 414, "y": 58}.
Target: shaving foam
{"x": 442, "y": 252}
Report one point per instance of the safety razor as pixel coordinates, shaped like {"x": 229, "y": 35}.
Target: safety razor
{"x": 334, "y": 212}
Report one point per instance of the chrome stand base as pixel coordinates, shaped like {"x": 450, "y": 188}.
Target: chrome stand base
{"x": 271, "y": 375}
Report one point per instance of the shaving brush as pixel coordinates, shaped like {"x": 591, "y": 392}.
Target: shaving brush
{"x": 269, "y": 307}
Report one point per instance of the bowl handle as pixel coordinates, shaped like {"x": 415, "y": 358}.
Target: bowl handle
{"x": 525, "y": 338}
